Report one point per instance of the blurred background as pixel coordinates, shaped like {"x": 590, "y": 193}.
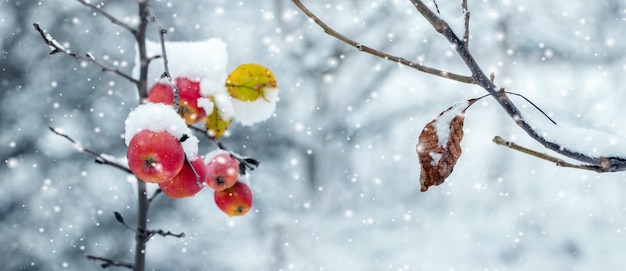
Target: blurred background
{"x": 338, "y": 186}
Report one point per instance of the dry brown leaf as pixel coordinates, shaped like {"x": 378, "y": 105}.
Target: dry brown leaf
{"x": 439, "y": 145}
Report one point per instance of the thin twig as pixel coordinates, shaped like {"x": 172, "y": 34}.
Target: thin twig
{"x": 195, "y": 172}
{"x": 466, "y": 36}
{"x": 436, "y": 7}
{"x": 156, "y": 193}
{"x": 166, "y": 73}
{"x": 531, "y": 103}
{"x": 544, "y": 156}
{"x": 120, "y": 219}
{"x": 108, "y": 16}
{"x": 245, "y": 162}
{"x": 163, "y": 233}
{"x": 58, "y": 48}
{"x": 330, "y": 31}
{"x": 110, "y": 263}
{"x": 99, "y": 158}
{"x": 209, "y": 136}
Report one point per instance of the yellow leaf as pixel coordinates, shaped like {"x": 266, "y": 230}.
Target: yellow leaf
{"x": 215, "y": 124}
{"x": 248, "y": 82}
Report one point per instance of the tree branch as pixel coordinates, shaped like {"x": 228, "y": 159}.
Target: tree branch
{"x": 110, "y": 263}
{"x": 328, "y": 30}
{"x": 166, "y": 73}
{"x": 245, "y": 163}
{"x": 100, "y": 159}
{"x": 544, "y": 156}
{"x": 58, "y": 48}
{"x": 607, "y": 164}
{"x": 466, "y": 36}
{"x": 163, "y": 233}
{"x": 108, "y": 16}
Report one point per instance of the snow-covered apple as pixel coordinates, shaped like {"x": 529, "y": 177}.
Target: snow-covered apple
{"x": 234, "y": 201}
{"x": 186, "y": 183}
{"x": 189, "y": 92}
{"x": 222, "y": 171}
{"x": 155, "y": 156}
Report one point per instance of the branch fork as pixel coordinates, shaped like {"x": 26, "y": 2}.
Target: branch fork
{"x": 478, "y": 77}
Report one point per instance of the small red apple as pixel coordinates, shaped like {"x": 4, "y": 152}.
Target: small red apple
{"x": 222, "y": 172}
{"x": 234, "y": 201}
{"x": 185, "y": 184}
{"x": 155, "y": 157}
{"x": 189, "y": 92}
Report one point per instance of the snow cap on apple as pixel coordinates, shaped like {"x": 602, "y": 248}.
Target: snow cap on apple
{"x": 157, "y": 118}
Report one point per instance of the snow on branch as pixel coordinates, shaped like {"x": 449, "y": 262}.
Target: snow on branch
{"x": 600, "y": 162}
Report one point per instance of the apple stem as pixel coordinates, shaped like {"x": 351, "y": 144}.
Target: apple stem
{"x": 195, "y": 173}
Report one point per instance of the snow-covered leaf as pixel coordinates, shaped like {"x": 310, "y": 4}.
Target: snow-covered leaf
{"x": 439, "y": 145}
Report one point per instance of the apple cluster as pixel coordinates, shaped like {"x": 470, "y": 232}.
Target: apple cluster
{"x": 162, "y": 150}
{"x": 231, "y": 195}
{"x": 161, "y": 147}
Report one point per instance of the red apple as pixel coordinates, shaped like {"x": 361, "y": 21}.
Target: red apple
{"x": 161, "y": 93}
{"x": 234, "y": 201}
{"x": 155, "y": 157}
{"x": 189, "y": 92}
{"x": 222, "y": 172}
{"x": 185, "y": 184}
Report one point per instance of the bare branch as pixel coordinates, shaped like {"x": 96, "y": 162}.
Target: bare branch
{"x": 100, "y": 159}
{"x": 607, "y": 164}
{"x": 108, "y": 16}
{"x": 166, "y": 73}
{"x": 110, "y": 263}
{"x": 209, "y": 136}
{"x": 58, "y": 48}
{"x": 544, "y": 156}
{"x": 466, "y": 36}
{"x": 328, "y": 30}
{"x": 156, "y": 193}
{"x": 163, "y": 233}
